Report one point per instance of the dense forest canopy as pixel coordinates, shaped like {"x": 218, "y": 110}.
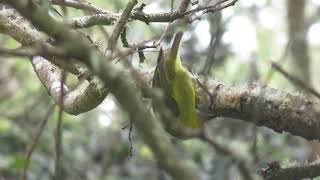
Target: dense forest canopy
{"x": 94, "y": 89}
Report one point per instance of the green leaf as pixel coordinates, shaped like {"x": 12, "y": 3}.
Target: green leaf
{"x": 17, "y": 162}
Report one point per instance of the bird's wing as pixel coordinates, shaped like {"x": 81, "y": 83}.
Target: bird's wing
{"x": 161, "y": 80}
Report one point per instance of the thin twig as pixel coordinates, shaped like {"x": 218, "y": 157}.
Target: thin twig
{"x": 212, "y": 8}
{"x": 64, "y": 9}
{"x": 135, "y": 48}
{"x": 143, "y": 45}
{"x": 123, "y": 37}
{"x": 140, "y": 47}
{"x": 221, "y": 149}
{"x": 36, "y": 137}
{"x": 282, "y": 58}
{"x": 130, "y": 140}
{"x": 84, "y": 6}
{"x": 215, "y": 42}
{"x": 171, "y": 5}
{"x": 295, "y": 80}
{"x": 163, "y": 34}
{"x": 58, "y": 133}
{"x": 253, "y": 148}
{"x": 119, "y": 26}
{"x": 38, "y": 49}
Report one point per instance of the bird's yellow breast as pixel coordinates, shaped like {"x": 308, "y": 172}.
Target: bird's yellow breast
{"x": 183, "y": 92}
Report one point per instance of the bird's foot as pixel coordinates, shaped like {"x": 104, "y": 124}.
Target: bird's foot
{"x": 212, "y": 95}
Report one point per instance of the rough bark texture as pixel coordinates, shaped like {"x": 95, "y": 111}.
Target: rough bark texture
{"x": 268, "y": 107}
{"x": 81, "y": 99}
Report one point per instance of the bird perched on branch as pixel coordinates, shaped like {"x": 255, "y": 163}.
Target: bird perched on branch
{"x": 178, "y": 87}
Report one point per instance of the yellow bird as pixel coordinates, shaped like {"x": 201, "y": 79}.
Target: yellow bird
{"x": 178, "y": 87}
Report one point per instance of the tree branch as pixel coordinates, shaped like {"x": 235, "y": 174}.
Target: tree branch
{"x": 146, "y": 17}
{"x": 85, "y": 6}
{"x": 91, "y": 20}
{"x": 121, "y": 22}
{"x": 295, "y": 80}
{"x": 81, "y": 99}
{"x": 267, "y": 107}
{"x": 183, "y": 6}
{"x": 236, "y": 157}
{"x": 20, "y": 29}
{"x": 35, "y": 141}
{"x": 296, "y": 172}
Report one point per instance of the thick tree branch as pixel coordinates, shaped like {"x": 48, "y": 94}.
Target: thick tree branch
{"x": 138, "y": 14}
{"x": 296, "y": 172}
{"x": 81, "y": 99}
{"x": 183, "y": 6}
{"x": 91, "y": 20}
{"x": 266, "y": 106}
{"x": 20, "y": 29}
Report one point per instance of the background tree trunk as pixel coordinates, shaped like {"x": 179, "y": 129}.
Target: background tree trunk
{"x": 300, "y": 60}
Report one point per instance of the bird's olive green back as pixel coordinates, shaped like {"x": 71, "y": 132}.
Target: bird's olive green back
{"x": 161, "y": 81}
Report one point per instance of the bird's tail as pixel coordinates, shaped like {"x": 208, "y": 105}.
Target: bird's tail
{"x": 176, "y": 43}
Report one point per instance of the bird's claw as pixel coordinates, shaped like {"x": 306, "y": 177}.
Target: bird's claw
{"x": 213, "y": 97}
